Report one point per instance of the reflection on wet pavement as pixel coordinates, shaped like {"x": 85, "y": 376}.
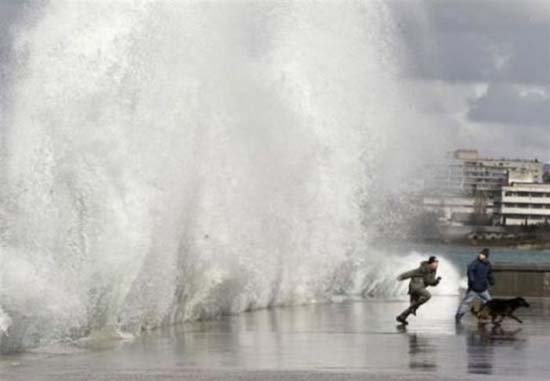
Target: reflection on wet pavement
{"x": 421, "y": 353}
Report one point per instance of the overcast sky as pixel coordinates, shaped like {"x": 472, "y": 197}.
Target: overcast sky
{"x": 481, "y": 67}
{"x": 489, "y": 64}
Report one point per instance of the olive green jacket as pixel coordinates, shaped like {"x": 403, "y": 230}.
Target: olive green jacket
{"x": 421, "y": 277}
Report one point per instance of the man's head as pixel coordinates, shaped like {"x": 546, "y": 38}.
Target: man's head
{"x": 484, "y": 254}
{"x": 433, "y": 262}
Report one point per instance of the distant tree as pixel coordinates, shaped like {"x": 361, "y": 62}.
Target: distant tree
{"x": 480, "y": 216}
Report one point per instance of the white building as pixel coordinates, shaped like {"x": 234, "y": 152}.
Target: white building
{"x": 466, "y": 173}
{"x": 527, "y": 170}
{"x": 523, "y": 204}
{"x": 460, "y": 209}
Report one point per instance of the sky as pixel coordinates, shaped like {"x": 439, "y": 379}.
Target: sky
{"x": 480, "y": 67}
{"x": 488, "y": 64}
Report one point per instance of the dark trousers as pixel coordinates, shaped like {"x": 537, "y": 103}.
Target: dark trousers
{"x": 417, "y": 298}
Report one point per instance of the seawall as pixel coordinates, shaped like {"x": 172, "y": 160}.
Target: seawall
{"x": 521, "y": 280}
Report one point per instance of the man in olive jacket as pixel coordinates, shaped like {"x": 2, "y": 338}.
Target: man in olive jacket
{"x": 421, "y": 278}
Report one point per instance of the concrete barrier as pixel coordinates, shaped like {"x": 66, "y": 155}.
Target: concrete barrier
{"x": 521, "y": 280}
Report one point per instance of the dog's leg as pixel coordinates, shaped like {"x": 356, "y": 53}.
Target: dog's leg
{"x": 496, "y": 320}
{"x": 511, "y": 315}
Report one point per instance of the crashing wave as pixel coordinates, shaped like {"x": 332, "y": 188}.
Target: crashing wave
{"x": 168, "y": 161}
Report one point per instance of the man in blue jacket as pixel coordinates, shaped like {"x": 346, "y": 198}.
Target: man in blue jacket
{"x": 480, "y": 276}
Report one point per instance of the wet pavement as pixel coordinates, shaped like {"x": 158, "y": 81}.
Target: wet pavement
{"x": 345, "y": 341}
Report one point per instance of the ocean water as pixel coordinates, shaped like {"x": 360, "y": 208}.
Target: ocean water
{"x": 460, "y": 256}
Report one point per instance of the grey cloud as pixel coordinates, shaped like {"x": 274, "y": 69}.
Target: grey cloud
{"x": 486, "y": 15}
{"x": 504, "y": 140}
{"x": 456, "y": 45}
{"x": 510, "y": 104}
{"x": 478, "y": 41}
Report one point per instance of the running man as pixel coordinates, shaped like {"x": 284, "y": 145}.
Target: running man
{"x": 421, "y": 278}
{"x": 480, "y": 276}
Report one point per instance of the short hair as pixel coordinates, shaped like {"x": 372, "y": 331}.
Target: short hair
{"x": 433, "y": 259}
{"x": 485, "y": 252}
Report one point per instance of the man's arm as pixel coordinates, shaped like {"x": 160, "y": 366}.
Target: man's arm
{"x": 471, "y": 273}
{"x": 410, "y": 274}
{"x": 434, "y": 281}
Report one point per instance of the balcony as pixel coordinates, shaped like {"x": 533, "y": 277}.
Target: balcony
{"x": 525, "y": 211}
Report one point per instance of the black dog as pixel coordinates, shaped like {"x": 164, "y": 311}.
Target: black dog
{"x": 500, "y": 308}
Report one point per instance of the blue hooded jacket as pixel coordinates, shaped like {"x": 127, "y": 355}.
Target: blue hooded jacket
{"x": 480, "y": 275}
